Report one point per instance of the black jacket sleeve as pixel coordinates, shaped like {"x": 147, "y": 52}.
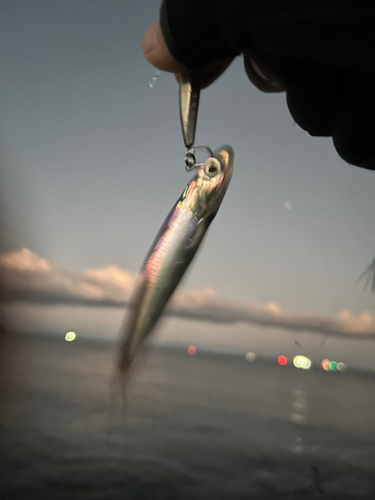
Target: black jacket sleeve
{"x": 324, "y": 48}
{"x": 199, "y": 33}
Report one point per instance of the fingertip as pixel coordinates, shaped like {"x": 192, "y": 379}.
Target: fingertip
{"x": 156, "y": 51}
{"x": 150, "y": 40}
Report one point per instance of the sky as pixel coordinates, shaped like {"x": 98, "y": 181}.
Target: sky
{"x": 91, "y": 161}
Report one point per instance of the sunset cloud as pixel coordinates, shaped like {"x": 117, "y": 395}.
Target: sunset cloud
{"x": 30, "y": 279}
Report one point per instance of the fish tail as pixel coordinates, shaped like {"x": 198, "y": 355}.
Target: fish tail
{"x": 120, "y": 379}
{"x": 124, "y": 369}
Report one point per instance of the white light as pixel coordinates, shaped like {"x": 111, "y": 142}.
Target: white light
{"x": 302, "y": 362}
{"x": 341, "y": 366}
{"x": 306, "y": 364}
{"x": 297, "y": 361}
{"x": 251, "y": 356}
{"x": 70, "y": 336}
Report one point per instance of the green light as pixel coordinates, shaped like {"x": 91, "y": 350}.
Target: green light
{"x": 333, "y": 366}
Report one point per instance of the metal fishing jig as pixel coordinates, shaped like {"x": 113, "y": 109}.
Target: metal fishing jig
{"x": 189, "y": 102}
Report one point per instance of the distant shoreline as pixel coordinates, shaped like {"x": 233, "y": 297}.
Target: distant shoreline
{"x": 182, "y": 350}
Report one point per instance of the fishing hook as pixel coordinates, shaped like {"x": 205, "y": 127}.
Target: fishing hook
{"x": 190, "y": 160}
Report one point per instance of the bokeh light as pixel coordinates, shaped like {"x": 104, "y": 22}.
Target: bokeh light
{"x": 325, "y": 364}
{"x": 333, "y": 366}
{"x": 296, "y": 361}
{"x": 306, "y": 364}
{"x": 70, "y": 336}
{"x": 251, "y": 356}
{"x": 192, "y": 350}
{"x": 302, "y": 362}
{"x": 282, "y": 360}
{"x": 341, "y": 366}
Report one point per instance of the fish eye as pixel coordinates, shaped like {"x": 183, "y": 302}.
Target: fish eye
{"x": 212, "y": 167}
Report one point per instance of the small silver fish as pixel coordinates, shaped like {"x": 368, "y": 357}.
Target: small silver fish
{"x": 173, "y": 250}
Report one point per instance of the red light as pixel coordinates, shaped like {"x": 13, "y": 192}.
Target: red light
{"x": 192, "y": 350}
{"x": 282, "y": 360}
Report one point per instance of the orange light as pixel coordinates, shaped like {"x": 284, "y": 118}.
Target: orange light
{"x": 325, "y": 364}
{"x": 282, "y": 360}
{"x": 192, "y": 350}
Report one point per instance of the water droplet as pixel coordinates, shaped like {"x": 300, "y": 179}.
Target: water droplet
{"x": 288, "y": 205}
{"x": 151, "y": 84}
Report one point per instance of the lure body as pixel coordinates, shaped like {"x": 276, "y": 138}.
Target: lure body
{"x": 173, "y": 250}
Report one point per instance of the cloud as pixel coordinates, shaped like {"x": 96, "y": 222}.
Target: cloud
{"x": 28, "y": 278}
{"x": 216, "y": 310}
{"x": 31, "y": 279}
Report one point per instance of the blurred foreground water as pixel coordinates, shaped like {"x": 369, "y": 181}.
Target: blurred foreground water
{"x": 207, "y": 426}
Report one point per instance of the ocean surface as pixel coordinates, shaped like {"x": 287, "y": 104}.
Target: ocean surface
{"x": 207, "y": 426}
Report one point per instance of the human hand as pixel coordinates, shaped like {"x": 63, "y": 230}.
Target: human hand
{"x": 322, "y": 56}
